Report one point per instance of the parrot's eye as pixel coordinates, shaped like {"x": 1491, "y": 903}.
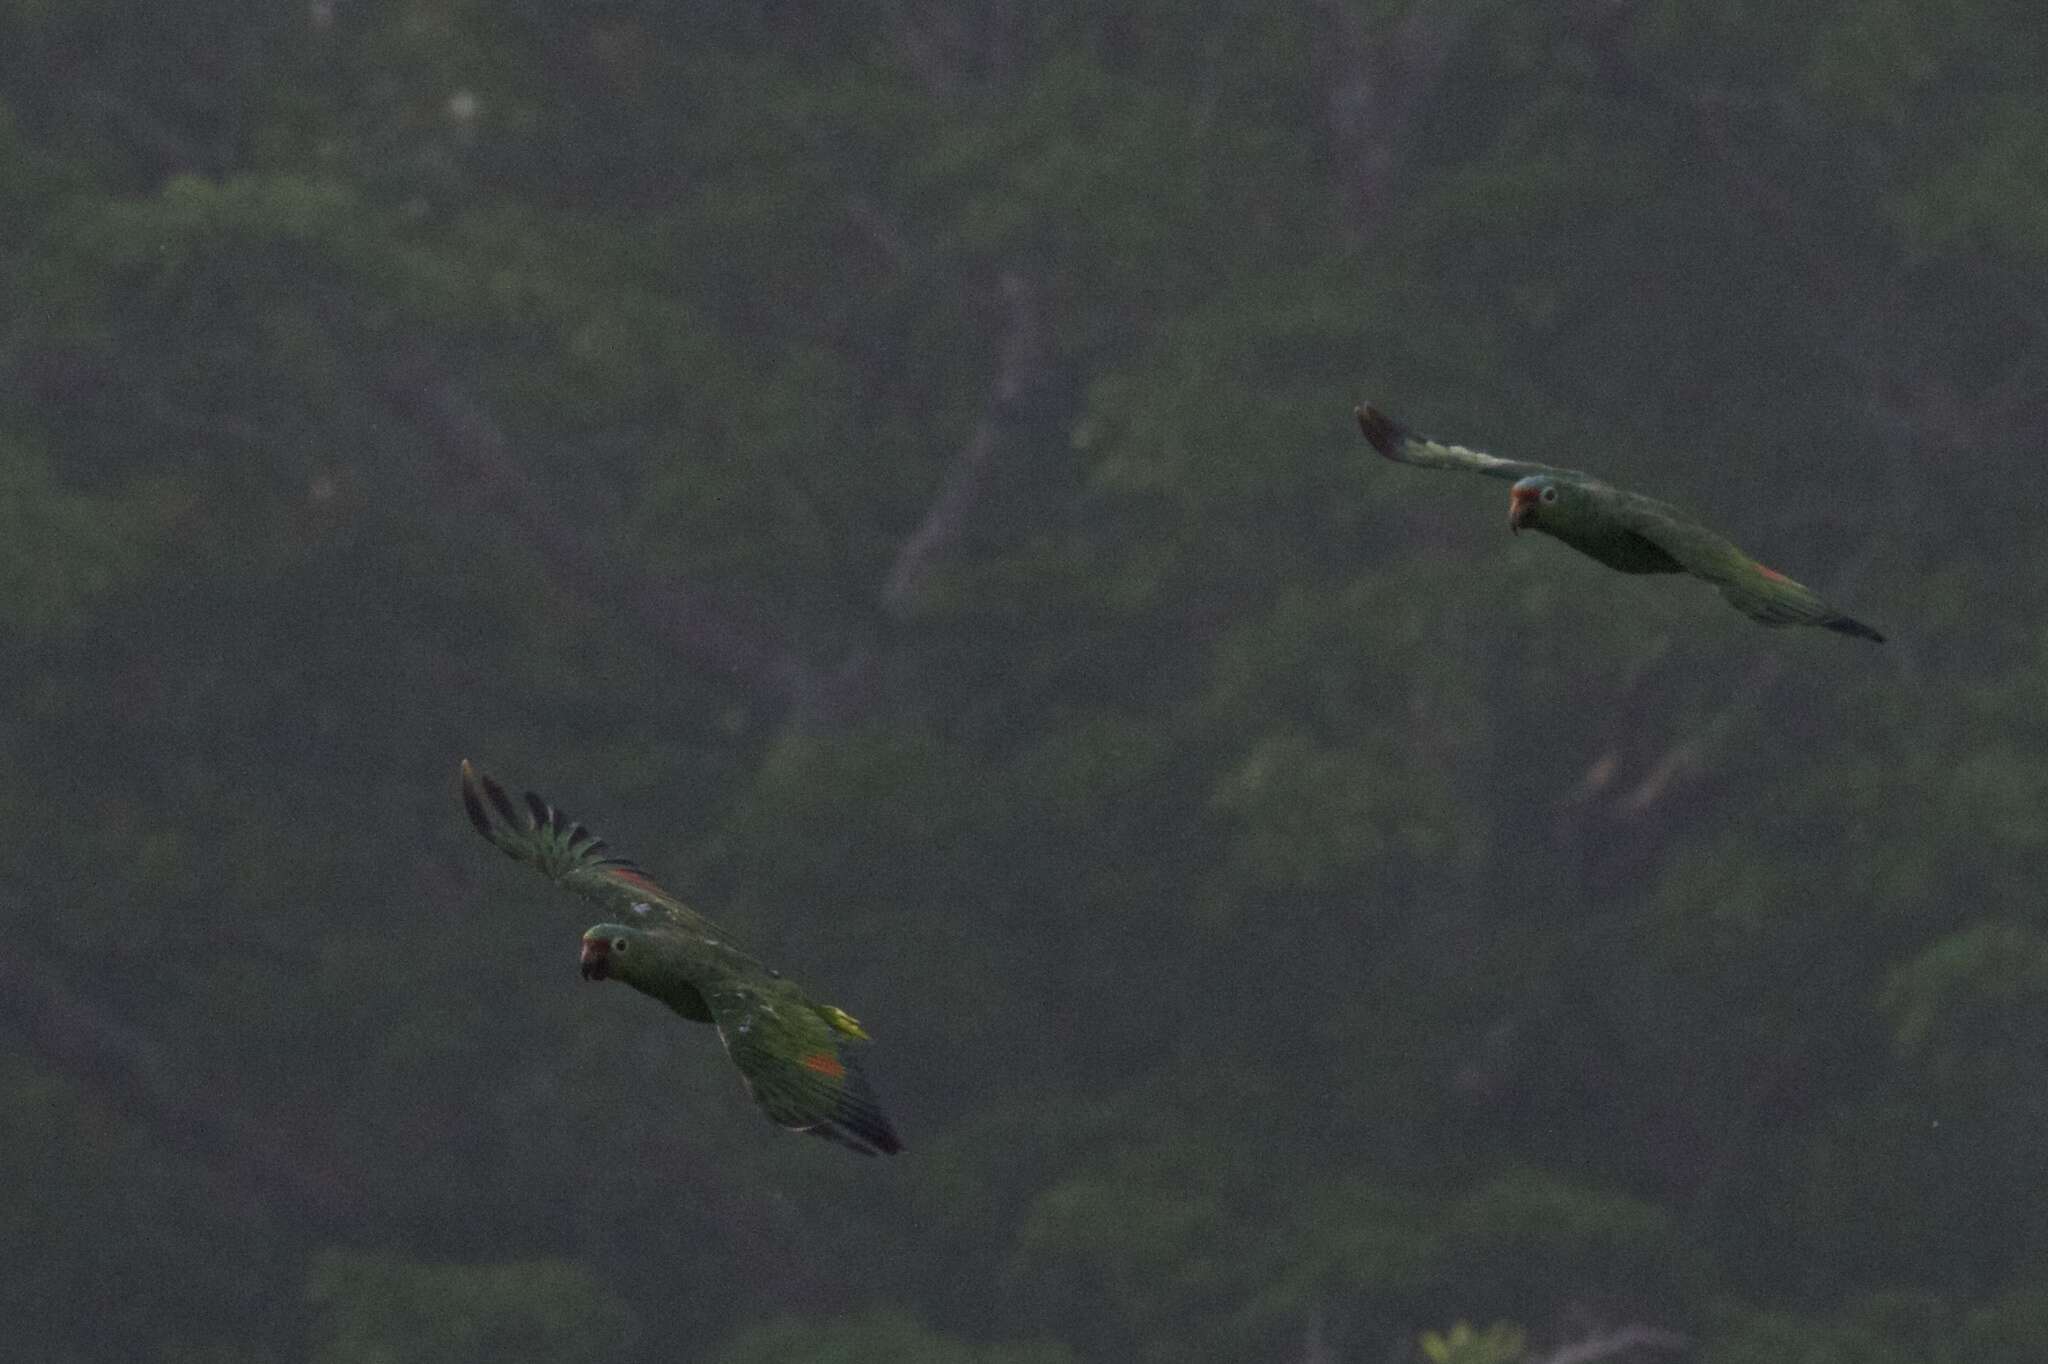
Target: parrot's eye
{"x": 619, "y": 944}
{"x": 1550, "y": 494}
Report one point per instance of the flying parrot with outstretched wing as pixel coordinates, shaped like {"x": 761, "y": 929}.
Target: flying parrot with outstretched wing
{"x": 1623, "y": 530}
{"x": 799, "y": 1058}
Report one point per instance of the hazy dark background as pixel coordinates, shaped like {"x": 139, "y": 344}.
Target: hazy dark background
{"x": 889, "y": 468}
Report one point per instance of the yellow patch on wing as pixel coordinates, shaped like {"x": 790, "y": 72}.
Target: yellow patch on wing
{"x": 843, "y": 1021}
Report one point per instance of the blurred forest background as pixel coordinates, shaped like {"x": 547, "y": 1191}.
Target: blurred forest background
{"x": 890, "y": 469}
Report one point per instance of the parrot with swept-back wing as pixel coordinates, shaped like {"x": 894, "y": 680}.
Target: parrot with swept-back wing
{"x": 799, "y": 1059}
{"x": 1623, "y": 530}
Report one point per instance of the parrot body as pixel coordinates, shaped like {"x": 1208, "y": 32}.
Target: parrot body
{"x": 1621, "y": 529}
{"x": 799, "y": 1058}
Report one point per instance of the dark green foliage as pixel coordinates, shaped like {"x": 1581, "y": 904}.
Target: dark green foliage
{"x": 875, "y": 1338}
{"x": 386, "y": 1308}
{"x": 892, "y": 468}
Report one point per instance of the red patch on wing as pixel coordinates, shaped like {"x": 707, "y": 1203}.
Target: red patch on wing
{"x": 634, "y": 878}
{"x": 825, "y": 1063}
{"x": 1773, "y": 574}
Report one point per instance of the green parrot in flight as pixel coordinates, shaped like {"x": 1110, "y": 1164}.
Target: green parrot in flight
{"x": 1623, "y": 530}
{"x": 799, "y": 1058}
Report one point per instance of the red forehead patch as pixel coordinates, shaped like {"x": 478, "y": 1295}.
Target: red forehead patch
{"x": 825, "y": 1063}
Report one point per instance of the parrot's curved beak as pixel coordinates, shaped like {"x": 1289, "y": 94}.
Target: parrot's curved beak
{"x": 596, "y": 962}
{"x": 1521, "y": 504}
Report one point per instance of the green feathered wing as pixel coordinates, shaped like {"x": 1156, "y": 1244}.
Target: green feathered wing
{"x": 799, "y": 1059}
{"x": 1763, "y": 594}
{"x": 798, "y": 1062}
{"x": 1403, "y": 446}
{"x": 571, "y": 856}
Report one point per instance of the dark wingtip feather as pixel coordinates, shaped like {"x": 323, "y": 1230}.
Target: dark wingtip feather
{"x": 543, "y": 817}
{"x": 839, "y": 1136}
{"x": 1383, "y": 431}
{"x": 475, "y": 782}
{"x": 869, "y": 1138}
{"x": 498, "y": 798}
{"x": 472, "y": 803}
{"x": 1845, "y": 626}
{"x": 860, "y": 1116}
{"x": 882, "y": 1137}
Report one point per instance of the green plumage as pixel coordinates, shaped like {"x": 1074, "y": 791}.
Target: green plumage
{"x": 1624, "y": 530}
{"x": 799, "y": 1058}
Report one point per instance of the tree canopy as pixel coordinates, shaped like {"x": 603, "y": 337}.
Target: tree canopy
{"x": 890, "y": 470}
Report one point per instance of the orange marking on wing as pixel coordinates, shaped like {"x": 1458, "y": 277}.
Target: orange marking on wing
{"x": 1773, "y": 574}
{"x": 825, "y": 1063}
{"x": 634, "y": 878}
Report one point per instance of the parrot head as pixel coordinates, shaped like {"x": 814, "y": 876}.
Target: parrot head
{"x": 1530, "y": 499}
{"x": 608, "y": 951}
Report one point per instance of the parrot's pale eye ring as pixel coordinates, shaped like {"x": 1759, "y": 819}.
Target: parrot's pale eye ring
{"x": 1550, "y": 494}
{"x": 619, "y": 944}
